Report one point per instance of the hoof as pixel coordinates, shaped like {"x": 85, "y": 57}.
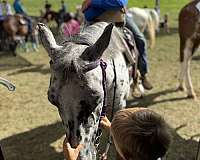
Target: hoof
{"x": 193, "y": 96}
{"x": 137, "y": 95}
{"x": 181, "y": 88}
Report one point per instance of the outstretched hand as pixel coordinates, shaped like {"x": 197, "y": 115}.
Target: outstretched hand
{"x": 105, "y": 123}
{"x": 69, "y": 152}
{"x": 86, "y": 4}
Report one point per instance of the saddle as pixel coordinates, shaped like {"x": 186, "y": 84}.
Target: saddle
{"x": 131, "y": 54}
{"x": 20, "y": 19}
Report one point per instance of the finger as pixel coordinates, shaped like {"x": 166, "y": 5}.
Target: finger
{"x": 104, "y": 123}
{"x": 68, "y": 146}
{"x": 65, "y": 140}
{"x": 80, "y": 147}
{"x": 104, "y": 119}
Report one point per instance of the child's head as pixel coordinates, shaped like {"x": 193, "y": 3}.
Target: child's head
{"x": 140, "y": 134}
{"x": 67, "y": 17}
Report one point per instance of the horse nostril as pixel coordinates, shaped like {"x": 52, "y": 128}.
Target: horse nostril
{"x": 53, "y": 99}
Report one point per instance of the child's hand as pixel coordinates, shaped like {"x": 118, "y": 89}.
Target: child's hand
{"x": 69, "y": 152}
{"x": 105, "y": 123}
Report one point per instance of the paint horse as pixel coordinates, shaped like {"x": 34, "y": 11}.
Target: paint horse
{"x": 77, "y": 86}
{"x": 147, "y": 20}
{"x": 16, "y": 32}
{"x": 189, "y": 32}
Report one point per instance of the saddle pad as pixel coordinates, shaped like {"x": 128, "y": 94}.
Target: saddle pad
{"x": 198, "y": 6}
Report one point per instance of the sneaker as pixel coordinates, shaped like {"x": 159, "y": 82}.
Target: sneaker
{"x": 146, "y": 83}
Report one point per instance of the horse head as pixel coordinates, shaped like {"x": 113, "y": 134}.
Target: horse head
{"x": 76, "y": 86}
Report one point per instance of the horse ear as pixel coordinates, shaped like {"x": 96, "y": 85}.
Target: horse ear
{"x": 48, "y": 41}
{"x": 95, "y": 51}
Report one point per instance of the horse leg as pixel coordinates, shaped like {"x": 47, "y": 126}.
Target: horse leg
{"x": 183, "y": 65}
{"x": 26, "y": 43}
{"x": 34, "y": 42}
{"x": 187, "y": 60}
{"x": 152, "y": 34}
{"x": 13, "y": 44}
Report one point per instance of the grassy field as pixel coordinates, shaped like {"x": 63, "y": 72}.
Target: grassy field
{"x": 30, "y": 127}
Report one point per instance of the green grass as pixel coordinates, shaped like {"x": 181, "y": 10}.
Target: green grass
{"x": 33, "y": 6}
{"x": 30, "y": 127}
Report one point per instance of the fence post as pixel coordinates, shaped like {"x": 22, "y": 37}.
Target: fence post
{"x": 157, "y": 7}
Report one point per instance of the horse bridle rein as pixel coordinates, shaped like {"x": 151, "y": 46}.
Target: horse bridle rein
{"x": 103, "y": 66}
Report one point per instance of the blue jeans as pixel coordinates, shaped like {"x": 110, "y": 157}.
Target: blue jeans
{"x": 29, "y": 22}
{"x": 140, "y": 44}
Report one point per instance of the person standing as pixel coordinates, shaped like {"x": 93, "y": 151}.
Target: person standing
{"x": 7, "y": 8}
{"x": 1, "y": 11}
{"x": 157, "y": 7}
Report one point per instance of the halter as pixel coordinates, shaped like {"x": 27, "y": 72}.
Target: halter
{"x": 103, "y": 112}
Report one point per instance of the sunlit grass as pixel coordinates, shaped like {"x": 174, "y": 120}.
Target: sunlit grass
{"x": 29, "y": 124}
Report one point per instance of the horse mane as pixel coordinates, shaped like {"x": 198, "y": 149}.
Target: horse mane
{"x": 89, "y": 35}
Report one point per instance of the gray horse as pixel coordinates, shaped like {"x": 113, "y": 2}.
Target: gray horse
{"x": 76, "y": 80}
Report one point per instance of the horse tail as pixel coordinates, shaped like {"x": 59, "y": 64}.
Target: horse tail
{"x": 151, "y": 32}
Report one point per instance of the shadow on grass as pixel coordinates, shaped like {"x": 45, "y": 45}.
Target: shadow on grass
{"x": 34, "y": 144}
{"x": 182, "y": 149}
{"x": 196, "y": 58}
{"x": 172, "y": 31}
{"x": 33, "y": 69}
{"x": 150, "y": 99}
{"x": 9, "y": 62}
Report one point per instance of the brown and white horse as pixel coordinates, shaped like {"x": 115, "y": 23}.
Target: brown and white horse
{"x": 189, "y": 32}
{"x": 16, "y": 29}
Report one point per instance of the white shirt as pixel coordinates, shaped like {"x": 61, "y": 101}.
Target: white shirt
{"x": 8, "y": 9}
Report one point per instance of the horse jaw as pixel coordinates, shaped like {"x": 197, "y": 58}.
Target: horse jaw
{"x": 48, "y": 41}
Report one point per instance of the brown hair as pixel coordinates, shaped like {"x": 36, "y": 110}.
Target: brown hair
{"x": 140, "y": 134}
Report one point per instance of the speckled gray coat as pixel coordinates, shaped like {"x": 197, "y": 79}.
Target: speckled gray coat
{"x": 76, "y": 85}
